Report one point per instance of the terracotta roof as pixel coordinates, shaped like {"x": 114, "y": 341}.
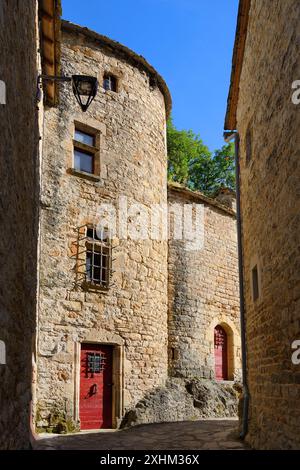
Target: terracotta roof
{"x": 237, "y": 63}
{"x": 178, "y": 188}
{"x": 128, "y": 54}
{"x": 49, "y": 14}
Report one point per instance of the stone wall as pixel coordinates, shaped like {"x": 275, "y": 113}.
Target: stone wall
{"x": 203, "y": 291}
{"x": 132, "y": 314}
{"x": 18, "y": 242}
{"x": 270, "y": 212}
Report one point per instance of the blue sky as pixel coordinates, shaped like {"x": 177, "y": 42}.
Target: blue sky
{"x": 189, "y": 42}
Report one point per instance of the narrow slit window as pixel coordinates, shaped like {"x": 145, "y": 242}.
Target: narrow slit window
{"x": 255, "y": 285}
{"x": 173, "y": 354}
{"x": 248, "y": 146}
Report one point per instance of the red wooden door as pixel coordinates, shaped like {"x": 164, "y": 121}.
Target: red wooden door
{"x": 221, "y": 360}
{"x": 95, "y": 406}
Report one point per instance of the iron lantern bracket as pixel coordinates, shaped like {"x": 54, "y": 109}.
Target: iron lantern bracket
{"x": 84, "y": 86}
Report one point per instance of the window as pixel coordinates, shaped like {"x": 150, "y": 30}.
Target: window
{"x": 83, "y": 161}
{"x": 86, "y": 150}
{"x": 110, "y": 83}
{"x": 2, "y": 352}
{"x": 255, "y": 285}
{"x": 248, "y": 145}
{"x": 97, "y": 258}
{"x": 84, "y": 138}
{"x": 174, "y": 354}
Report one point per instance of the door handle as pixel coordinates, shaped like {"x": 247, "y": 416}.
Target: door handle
{"x": 94, "y": 389}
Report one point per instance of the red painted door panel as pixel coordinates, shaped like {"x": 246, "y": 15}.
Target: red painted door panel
{"x": 95, "y": 407}
{"x": 221, "y": 360}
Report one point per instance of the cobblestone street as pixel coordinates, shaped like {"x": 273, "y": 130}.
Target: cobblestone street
{"x": 205, "y": 434}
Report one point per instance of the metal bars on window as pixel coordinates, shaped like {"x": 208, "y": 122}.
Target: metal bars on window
{"x": 93, "y": 257}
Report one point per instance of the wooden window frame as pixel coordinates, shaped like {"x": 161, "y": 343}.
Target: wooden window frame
{"x": 93, "y": 150}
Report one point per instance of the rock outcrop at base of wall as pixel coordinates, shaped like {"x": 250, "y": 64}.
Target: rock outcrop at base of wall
{"x": 185, "y": 399}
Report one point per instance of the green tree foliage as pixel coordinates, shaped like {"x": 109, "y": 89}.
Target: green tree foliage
{"x": 192, "y": 164}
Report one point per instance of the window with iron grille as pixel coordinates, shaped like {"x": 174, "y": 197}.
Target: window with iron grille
{"x": 109, "y": 83}
{"x": 97, "y": 258}
{"x": 93, "y": 258}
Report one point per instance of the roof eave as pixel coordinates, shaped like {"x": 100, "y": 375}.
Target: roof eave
{"x": 237, "y": 63}
{"x": 138, "y": 60}
{"x": 50, "y": 29}
{"x": 179, "y": 188}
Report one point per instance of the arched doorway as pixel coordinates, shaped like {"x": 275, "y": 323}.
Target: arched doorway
{"x": 221, "y": 353}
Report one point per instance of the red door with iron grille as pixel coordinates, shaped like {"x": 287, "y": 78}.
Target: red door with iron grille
{"x": 221, "y": 360}
{"x": 95, "y": 406}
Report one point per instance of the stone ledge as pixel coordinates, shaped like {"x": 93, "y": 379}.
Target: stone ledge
{"x": 83, "y": 174}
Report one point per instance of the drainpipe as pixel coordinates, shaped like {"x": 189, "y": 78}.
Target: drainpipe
{"x": 229, "y": 136}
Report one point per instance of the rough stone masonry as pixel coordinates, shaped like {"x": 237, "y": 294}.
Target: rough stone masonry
{"x": 19, "y": 149}
{"x": 129, "y": 125}
{"x": 268, "y": 124}
{"x": 203, "y": 289}
{"x": 132, "y": 313}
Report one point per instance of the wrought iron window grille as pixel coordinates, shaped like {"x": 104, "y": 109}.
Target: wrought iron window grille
{"x": 94, "y": 258}
{"x": 95, "y": 364}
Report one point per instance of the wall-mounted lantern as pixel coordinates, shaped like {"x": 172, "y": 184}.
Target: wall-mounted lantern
{"x": 84, "y": 87}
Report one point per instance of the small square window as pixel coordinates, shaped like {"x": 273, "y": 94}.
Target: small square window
{"x": 99, "y": 235}
{"x": 90, "y": 232}
{"x": 110, "y": 83}
{"x": 255, "y": 285}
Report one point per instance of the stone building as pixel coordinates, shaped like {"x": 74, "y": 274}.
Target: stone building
{"x": 263, "y": 110}
{"x": 23, "y": 27}
{"x": 121, "y": 305}
{"x": 87, "y": 326}
{"x": 203, "y": 291}
{"x": 103, "y": 330}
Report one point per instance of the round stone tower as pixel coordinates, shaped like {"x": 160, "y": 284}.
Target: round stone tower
{"x": 102, "y": 327}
